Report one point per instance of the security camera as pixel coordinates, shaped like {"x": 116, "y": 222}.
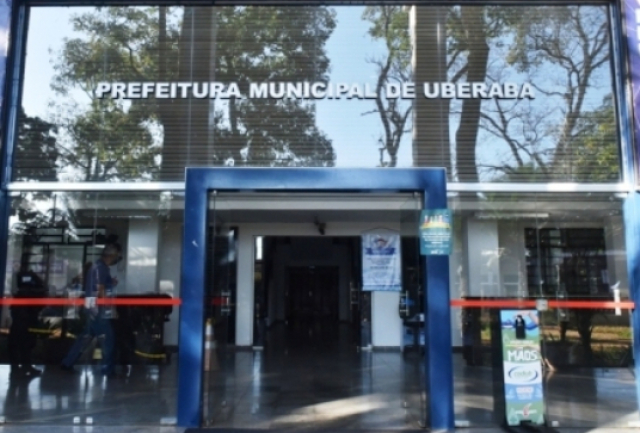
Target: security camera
{"x": 320, "y": 226}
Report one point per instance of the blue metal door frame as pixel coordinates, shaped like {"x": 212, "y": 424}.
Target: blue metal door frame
{"x": 199, "y": 181}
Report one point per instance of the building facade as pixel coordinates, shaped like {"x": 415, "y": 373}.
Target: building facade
{"x": 241, "y": 156}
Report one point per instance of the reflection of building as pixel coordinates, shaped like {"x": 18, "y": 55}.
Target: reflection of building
{"x": 538, "y": 188}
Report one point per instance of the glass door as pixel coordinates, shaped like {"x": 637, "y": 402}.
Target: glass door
{"x": 220, "y": 300}
{"x": 411, "y": 310}
{"x": 311, "y": 268}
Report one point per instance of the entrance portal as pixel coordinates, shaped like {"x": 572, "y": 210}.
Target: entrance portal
{"x": 321, "y": 352}
{"x": 354, "y": 195}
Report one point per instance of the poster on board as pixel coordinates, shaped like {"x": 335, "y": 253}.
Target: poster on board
{"x": 522, "y": 364}
{"x": 435, "y": 232}
{"x": 381, "y": 261}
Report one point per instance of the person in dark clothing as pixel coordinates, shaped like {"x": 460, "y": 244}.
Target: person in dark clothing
{"x": 98, "y": 284}
{"x": 21, "y": 342}
{"x": 520, "y": 327}
{"x": 468, "y": 337}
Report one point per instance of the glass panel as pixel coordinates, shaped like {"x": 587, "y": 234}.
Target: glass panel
{"x": 221, "y": 302}
{"x": 311, "y": 348}
{"x": 513, "y": 249}
{"x": 106, "y": 266}
{"x": 514, "y": 93}
{"x": 412, "y": 310}
{"x": 590, "y": 353}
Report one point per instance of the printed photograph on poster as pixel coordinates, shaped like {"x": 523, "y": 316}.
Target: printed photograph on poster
{"x": 522, "y": 365}
{"x": 381, "y": 261}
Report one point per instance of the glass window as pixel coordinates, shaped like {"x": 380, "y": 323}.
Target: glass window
{"x": 512, "y": 249}
{"x": 93, "y": 329}
{"x": 493, "y": 93}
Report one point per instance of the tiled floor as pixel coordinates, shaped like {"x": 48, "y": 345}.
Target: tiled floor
{"x": 304, "y": 388}
{"x": 575, "y": 398}
{"x": 141, "y": 395}
{"x": 312, "y": 379}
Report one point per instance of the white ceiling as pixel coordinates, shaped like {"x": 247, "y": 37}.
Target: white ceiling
{"x": 309, "y": 207}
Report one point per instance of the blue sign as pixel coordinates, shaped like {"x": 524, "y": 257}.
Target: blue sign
{"x": 435, "y": 232}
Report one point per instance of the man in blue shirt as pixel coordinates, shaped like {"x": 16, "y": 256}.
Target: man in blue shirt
{"x": 98, "y": 283}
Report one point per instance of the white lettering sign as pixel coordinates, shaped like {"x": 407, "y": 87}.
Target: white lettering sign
{"x": 316, "y": 90}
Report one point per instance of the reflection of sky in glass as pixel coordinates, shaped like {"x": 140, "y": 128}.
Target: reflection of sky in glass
{"x": 354, "y": 134}
{"x": 349, "y": 49}
{"x": 44, "y": 41}
{"x": 5, "y": 24}
{"x": 632, "y": 15}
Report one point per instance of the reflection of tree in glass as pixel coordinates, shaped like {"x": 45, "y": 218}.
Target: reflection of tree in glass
{"x": 36, "y": 144}
{"x": 254, "y": 45}
{"x": 108, "y": 143}
{"x": 224, "y": 44}
{"x": 563, "y": 51}
{"x": 391, "y": 25}
{"x": 469, "y": 30}
{"x": 595, "y": 145}
{"x": 34, "y": 211}
{"x": 111, "y": 140}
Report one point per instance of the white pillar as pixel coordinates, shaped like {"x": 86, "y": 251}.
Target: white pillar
{"x": 142, "y": 253}
{"x": 457, "y": 281}
{"x": 169, "y": 266}
{"x": 513, "y": 261}
{"x": 386, "y": 325}
{"x": 483, "y": 258}
{"x": 616, "y": 253}
{"x": 244, "y": 295}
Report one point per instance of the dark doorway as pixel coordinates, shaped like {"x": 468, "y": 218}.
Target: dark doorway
{"x": 307, "y": 292}
{"x": 313, "y": 293}
{"x": 313, "y": 306}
